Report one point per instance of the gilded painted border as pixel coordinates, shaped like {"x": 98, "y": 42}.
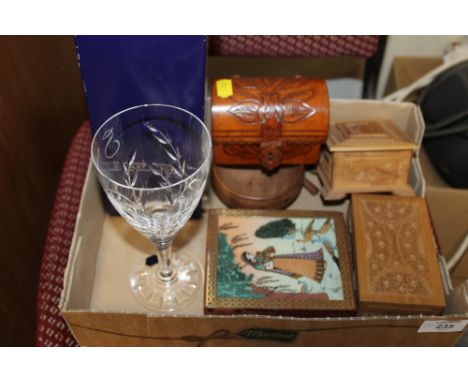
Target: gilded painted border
{"x": 216, "y": 303}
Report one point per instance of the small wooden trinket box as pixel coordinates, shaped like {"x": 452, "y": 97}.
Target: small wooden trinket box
{"x": 395, "y": 256}
{"x": 264, "y": 131}
{"x": 292, "y": 263}
{"x": 366, "y": 156}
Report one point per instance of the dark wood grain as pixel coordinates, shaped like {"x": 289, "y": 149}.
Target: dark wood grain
{"x": 251, "y": 187}
{"x": 41, "y": 106}
{"x": 269, "y": 121}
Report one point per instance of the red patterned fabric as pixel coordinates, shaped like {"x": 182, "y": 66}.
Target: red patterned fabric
{"x": 51, "y": 328}
{"x": 294, "y": 46}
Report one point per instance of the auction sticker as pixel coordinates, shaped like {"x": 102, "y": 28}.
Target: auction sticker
{"x": 224, "y": 88}
{"x": 442, "y": 326}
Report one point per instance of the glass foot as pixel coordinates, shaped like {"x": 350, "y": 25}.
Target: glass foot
{"x": 158, "y": 295}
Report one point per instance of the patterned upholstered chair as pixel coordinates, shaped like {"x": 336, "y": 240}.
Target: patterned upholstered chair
{"x": 51, "y": 329}
{"x": 294, "y": 46}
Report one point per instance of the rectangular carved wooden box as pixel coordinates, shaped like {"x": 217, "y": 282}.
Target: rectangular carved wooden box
{"x": 396, "y": 256}
{"x": 269, "y": 121}
{"x": 366, "y": 156}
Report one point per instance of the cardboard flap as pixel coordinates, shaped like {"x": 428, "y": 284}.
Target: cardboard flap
{"x": 405, "y": 115}
{"x": 368, "y": 136}
{"x": 81, "y": 267}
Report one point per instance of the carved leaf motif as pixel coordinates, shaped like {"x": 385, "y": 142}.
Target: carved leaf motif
{"x": 295, "y": 107}
{"x": 297, "y": 148}
{"x": 158, "y": 135}
{"x": 108, "y": 133}
{"x": 246, "y": 111}
{"x": 295, "y": 111}
{"x": 177, "y": 171}
{"x": 132, "y": 158}
{"x": 247, "y": 151}
{"x": 171, "y": 155}
{"x": 249, "y": 96}
{"x": 130, "y": 178}
{"x": 159, "y": 171}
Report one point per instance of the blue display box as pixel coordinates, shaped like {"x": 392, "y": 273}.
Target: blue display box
{"x": 119, "y": 72}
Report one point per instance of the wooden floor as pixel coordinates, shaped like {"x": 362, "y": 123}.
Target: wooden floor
{"x": 41, "y": 106}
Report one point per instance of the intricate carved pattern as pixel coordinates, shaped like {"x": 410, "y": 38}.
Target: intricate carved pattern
{"x": 274, "y": 100}
{"x": 396, "y": 259}
{"x": 252, "y": 151}
{"x": 153, "y": 193}
{"x": 262, "y": 110}
{"x": 270, "y": 154}
{"x": 371, "y": 169}
{"x": 177, "y": 167}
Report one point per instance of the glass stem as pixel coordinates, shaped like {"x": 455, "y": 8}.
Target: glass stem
{"x": 166, "y": 270}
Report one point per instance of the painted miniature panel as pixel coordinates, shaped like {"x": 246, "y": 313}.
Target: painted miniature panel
{"x": 279, "y": 261}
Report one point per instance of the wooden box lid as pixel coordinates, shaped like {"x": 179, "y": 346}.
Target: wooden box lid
{"x": 277, "y": 118}
{"x": 396, "y": 256}
{"x": 368, "y": 136}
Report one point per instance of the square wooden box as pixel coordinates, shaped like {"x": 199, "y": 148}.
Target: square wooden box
{"x": 366, "y": 156}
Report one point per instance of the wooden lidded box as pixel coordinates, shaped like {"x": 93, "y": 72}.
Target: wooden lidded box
{"x": 264, "y": 130}
{"x": 396, "y": 257}
{"x": 366, "y": 156}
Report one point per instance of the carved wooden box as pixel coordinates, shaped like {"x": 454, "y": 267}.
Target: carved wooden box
{"x": 395, "y": 256}
{"x": 264, "y": 131}
{"x": 268, "y": 121}
{"x": 366, "y": 156}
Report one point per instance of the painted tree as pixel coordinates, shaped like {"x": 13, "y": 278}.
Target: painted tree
{"x": 230, "y": 280}
{"x": 277, "y": 228}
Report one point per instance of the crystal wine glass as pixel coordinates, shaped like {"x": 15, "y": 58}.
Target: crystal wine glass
{"x": 153, "y": 162}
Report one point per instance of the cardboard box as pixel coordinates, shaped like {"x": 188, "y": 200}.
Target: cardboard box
{"x": 449, "y": 206}
{"x": 406, "y": 70}
{"x": 449, "y": 209}
{"x": 100, "y": 310}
